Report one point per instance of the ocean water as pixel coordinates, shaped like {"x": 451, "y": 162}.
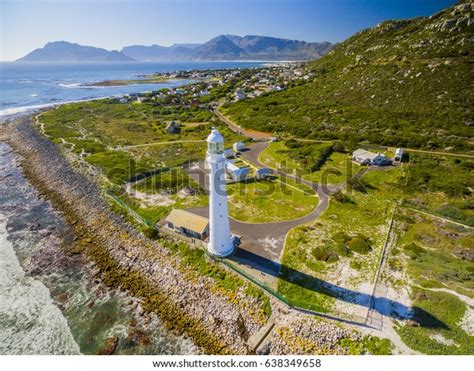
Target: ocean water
{"x": 52, "y": 302}
{"x": 26, "y": 86}
{"x": 29, "y": 321}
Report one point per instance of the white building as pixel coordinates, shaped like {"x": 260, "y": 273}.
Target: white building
{"x": 238, "y": 146}
{"x": 235, "y": 172}
{"x": 228, "y": 153}
{"x": 363, "y": 157}
{"x": 398, "y": 154}
{"x": 239, "y": 94}
{"x": 220, "y": 243}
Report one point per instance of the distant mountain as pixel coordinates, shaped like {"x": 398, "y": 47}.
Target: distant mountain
{"x": 219, "y": 48}
{"x": 186, "y": 45}
{"x": 233, "y": 47}
{"x": 63, "y": 51}
{"x": 265, "y": 47}
{"x": 222, "y": 47}
{"x": 226, "y": 47}
{"x": 157, "y": 52}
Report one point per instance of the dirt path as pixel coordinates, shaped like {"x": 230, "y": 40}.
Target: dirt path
{"x": 439, "y": 217}
{"x": 254, "y": 134}
{"x": 161, "y": 143}
{"x": 439, "y": 153}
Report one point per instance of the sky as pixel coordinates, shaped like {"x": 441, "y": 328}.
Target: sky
{"x": 112, "y": 24}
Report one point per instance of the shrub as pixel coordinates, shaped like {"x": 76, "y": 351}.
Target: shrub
{"x": 413, "y": 250}
{"x": 360, "y": 244}
{"x": 325, "y": 253}
{"x": 355, "y": 264}
{"x": 341, "y": 197}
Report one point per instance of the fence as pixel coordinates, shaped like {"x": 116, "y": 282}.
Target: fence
{"x": 130, "y": 211}
{"x": 410, "y": 205}
{"x": 349, "y": 319}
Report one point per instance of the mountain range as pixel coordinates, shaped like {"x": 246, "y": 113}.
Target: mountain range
{"x": 223, "y": 47}
{"x": 63, "y": 51}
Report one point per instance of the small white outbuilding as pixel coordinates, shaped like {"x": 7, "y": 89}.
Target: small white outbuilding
{"x": 398, "y": 154}
{"x": 238, "y": 146}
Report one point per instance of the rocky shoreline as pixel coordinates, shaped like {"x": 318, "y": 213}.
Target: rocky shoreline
{"x": 191, "y": 304}
{"x": 187, "y": 303}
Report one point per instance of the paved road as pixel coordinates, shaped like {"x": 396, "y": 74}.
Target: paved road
{"x": 264, "y": 239}
{"x": 252, "y": 155}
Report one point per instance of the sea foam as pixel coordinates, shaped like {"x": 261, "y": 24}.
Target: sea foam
{"x": 30, "y": 323}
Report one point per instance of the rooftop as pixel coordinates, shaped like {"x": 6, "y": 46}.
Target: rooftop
{"x": 188, "y": 220}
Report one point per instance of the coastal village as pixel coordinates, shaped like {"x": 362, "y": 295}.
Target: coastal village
{"x": 233, "y": 85}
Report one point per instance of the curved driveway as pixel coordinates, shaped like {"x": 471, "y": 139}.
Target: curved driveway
{"x": 264, "y": 239}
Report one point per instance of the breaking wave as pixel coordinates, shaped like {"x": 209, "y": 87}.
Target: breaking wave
{"x": 30, "y": 323}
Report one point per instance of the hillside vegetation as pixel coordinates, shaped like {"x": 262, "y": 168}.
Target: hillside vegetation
{"x": 404, "y": 83}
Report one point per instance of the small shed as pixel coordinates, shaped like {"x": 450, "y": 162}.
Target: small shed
{"x": 398, "y": 154}
{"x": 228, "y": 153}
{"x": 238, "y": 146}
{"x": 188, "y": 224}
{"x": 173, "y": 128}
{"x": 236, "y": 173}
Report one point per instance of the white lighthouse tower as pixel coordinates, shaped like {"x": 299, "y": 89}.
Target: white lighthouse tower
{"x": 220, "y": 243}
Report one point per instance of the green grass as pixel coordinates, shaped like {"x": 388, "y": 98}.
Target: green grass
{"x": 436, "y": 253}
{"x": 300, "y": 290}
{"x": 335, "y": 168}
{"x": 269, "y": 200}
{"x": 276, "y": 157}
{"x": 171, "y": 181}
{"x": 379, "y": 86}
{"x": 430, "y": 187}
{"x": 96, "y": 128}
{"x": 117, "y": 166}
{"x": 351, "y": 232}
{"x": 293, "y": 155}
{"x": 439, "y": 314}
{"x": 368, "y": 345}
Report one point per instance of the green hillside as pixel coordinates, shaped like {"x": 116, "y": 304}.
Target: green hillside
{"x": 406, "y": 83}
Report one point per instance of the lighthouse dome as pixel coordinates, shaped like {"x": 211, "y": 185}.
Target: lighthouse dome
{"x": 215, "y": 137}
{"x": 215, "y": 143}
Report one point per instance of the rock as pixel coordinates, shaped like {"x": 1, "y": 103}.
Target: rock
{"x": 412, "y": 323}
{"x": 138, "y": 337}
{"x": 62, "y": 298}
{"x": 110, "y": 346}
